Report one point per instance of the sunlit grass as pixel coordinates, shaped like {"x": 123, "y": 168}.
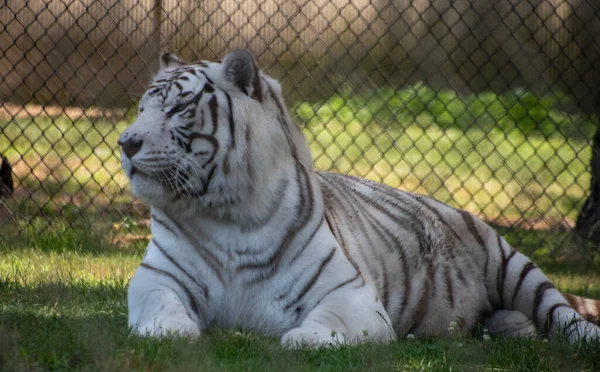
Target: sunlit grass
{"x": 515, "y": 154}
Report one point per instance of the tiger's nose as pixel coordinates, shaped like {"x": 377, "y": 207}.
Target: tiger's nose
{"x": 130, "y": 146}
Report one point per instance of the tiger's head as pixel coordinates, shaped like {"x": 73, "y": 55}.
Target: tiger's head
{"x": 210, "y": 136}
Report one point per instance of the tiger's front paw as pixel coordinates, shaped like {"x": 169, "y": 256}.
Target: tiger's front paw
{"x": 169, "y": 327}
{"x": 298, "y": 338}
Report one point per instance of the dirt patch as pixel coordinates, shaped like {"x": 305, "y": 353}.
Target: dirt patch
{"x": 541, "y": 223}
{"x": 9, "y": 111}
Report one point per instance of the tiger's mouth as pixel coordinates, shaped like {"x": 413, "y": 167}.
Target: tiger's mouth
{"x": 175, "y": 178}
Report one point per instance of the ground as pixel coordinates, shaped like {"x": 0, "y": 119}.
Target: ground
{"x": 64, "y": 307}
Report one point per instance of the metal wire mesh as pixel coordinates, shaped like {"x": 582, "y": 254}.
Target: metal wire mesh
{"x": 486, "y": 105}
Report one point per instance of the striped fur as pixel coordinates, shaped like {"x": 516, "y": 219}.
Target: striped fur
{"x": 246, "y": 233}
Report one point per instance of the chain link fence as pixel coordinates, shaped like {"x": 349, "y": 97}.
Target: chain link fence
{"x": 485, "y": 105}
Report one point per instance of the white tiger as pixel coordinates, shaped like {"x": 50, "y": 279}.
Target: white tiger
{"x": 245, "y": 233}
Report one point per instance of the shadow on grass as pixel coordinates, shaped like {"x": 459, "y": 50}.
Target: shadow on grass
{"x": 109, "y": 229}
{"x": 51, "y": 205}
{"x": 103, "y": 342}
{"x": 55, "y": 342}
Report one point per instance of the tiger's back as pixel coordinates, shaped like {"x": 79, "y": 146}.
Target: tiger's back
{"x": 426, "y": 268}
{"x": 433, "y": 265}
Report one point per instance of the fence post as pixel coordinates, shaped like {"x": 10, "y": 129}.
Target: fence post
{"x": 157, "y": 20}
{"x": 6, "y": 181}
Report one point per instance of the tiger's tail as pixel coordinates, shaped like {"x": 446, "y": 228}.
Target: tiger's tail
{"x": 517, "y": 285}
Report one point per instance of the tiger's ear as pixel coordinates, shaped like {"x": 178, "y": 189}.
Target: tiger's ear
{"x": 240, "y": 69}
{"x": 168, "y": 59}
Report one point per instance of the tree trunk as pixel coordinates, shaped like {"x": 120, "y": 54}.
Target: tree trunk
{"x": 6, "y": 181}
{"x": 588, "y": 222}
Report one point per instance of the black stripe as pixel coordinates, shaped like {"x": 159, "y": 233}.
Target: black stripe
{"x": 277, "y": 201}
{"x": 304, "y": 214}
{"x": 449, "y": 289}
{"x": 468, "y": 218}
{"x": 183, "y": 145}
{"x": 539, "y": 296}
{"x": 176, "y": 264}
{"x": 545, "y": 330}
{"x": 408, "y": 218}
{"x": 526, "y": 269}
{"x": 421, "y": 309}
{"x": 499, "y": 278}
{"x": 354, "y": 224}
{"x": 209, "y": 177}
{"x": 226, "y": 168}
{"x": 383, "y": 232}
{"x": 213, "y": 141}
{"x": 181, "y": 132}
{"x": 282, "y": 120}
{"x": 342, "y": 284}
{"x": 163, "y": 224}
{"x": 310, "y": 238}
{"x": 200, "y": 118}
{"x": 357, "y": 276}
{"x": 505, "y": 264}
{"x": 206, "y": 88}
{"x": 312, "y": 280}
{"x": 334, "y": 228}
{"x": 190, "y": 113}
{"x": 351, "y": 200}
{"x": 386, "y": 289}
{"x": 205, "y": 254}
{"x": 407, "y": 287}
{"x": 177, "y": 108}
{"x": 231, "y": 122}
{"x": 339, "y": 318}
{"x": 431, "y": 274}
{"x": 190, "y": 298}
{"x": 182, "y": 106}
{"x": 438, "y": 215}
{"x": 206, "y": 77}
{"x": 213, "y": 105}
{"x": 462, "y": 278}
{"x": 248, "y": 159}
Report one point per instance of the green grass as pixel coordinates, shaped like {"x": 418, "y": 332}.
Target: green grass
{"x": 63, "y": 307}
